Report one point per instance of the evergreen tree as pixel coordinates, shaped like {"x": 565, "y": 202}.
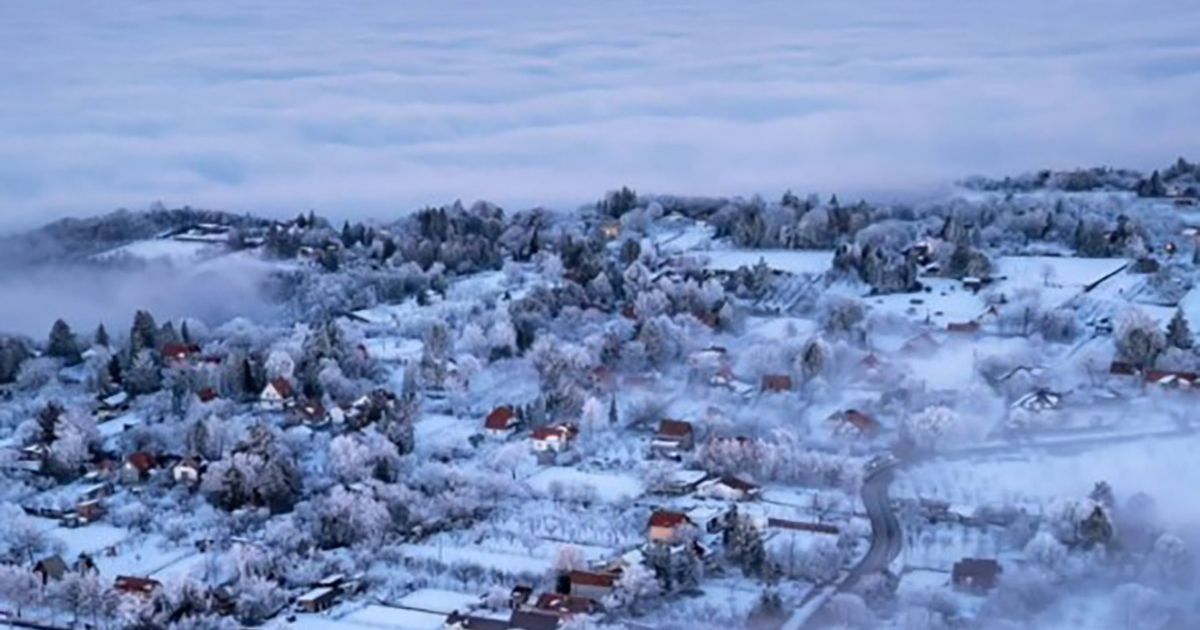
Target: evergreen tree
{"x": 185, "y": 335}
{"x": 12, "y": 354}
{"x": 101, "y": 337}
{"x": 167, "y": 334}
{"x": 613, "y": 418}
{"x": 47, "y": 420}
{"x": 63, "y": 344}
{"x": 115, "y": 373}
{"x": 143, "y": 376}
{"x": 1179, "y": 334}
{"x": 143, "y": 335}
{"x": 279, "y": 483}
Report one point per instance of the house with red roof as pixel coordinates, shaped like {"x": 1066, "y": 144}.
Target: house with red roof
{"x": 673, "y": 437}
{"x": 666, "y": 526}
{"x": 555, "y": 438}
{"x": 730, "y": 488}
{"x": 591, "y": 585}
{"x": 502, "y": 421}
{"x": 179, "y": 352}
{"x": 138, "y": 466}
{"x": 136, "y": 586}
{"x": 277, "y": 395}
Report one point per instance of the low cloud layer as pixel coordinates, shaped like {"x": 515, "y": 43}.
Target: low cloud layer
{"x": 214, "y": 292}
{"x": 376, "y": 107}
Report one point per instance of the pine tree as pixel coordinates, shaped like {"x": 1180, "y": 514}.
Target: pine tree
{"x": 63, "y": 344}
{"x": 613, "y": 418}
{"x": 47, "y": 420}
{"x": 144, "y": 333}
{"x": 143, "y": 376}
{"x": 1179, "y": 334}
{"x": 101, "y": 337}
{"x": 115, "y": 373}
{"x": 185, "y": 335}
{"x": 167, "y": 334}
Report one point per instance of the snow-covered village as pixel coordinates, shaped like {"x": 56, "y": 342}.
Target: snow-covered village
{"x": 653, "y": 412}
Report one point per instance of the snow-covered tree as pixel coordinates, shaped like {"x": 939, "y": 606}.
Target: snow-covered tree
{"x": 63, "y": 344}
{"x": 1139, "y": 340}
{"x": 636, "y": 586}
{"x": 19, "y": 587}
{"x": 1179, "y": 335}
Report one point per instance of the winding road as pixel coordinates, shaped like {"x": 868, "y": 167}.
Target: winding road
{"x": 887, "y": 541}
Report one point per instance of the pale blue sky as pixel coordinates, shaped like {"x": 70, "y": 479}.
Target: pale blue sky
{"x": 376, "y": 107}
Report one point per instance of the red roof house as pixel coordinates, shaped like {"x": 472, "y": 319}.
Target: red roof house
{"x": 501, "y": 421}
{"x": 140, "y": 586}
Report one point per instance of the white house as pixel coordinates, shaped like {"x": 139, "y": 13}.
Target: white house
{"x": 729, "y": 488}
{"x": 555, "y": 438}
{"x": 277, "y": 394}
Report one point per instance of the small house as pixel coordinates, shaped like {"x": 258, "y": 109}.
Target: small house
{"x": 89, "y": 511}
{"x": 673, "y": 437}
{"x": 730, "y": 488}
{"x": 683, "y": 481}
{"x": 51, "y": 568}
{"x": 179, "y": 352}
{"x": 115, "y": 402}
{"x": 137, "y": 467}
{"x": 776, "y": 383}
{"x": 709, "y": 518}
{"x": 317, "y": 599}
{"x": 666, "y": 527}
{"x": 277, "y": 394}
{"x": 591, "y": 585}
{"x": 208, "y": 394}
{"x": 188, "y": 470}
{"x": 136, "y": 586}
{"x": 555, "y": 438}
{"x": 501, "y": 422}
{"x": 975, "y": 575}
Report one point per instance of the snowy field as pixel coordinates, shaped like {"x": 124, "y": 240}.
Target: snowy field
{"x": 609, "y": 487}
{"x": 381, "y": 106}
{"x": 791, "y": 261}
{"x": 160, "y": 249}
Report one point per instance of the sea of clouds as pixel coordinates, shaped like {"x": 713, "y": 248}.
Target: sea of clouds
{"x": 378, "y": 106}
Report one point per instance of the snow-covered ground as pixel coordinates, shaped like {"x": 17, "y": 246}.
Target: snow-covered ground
{"x": 161, "y": 249}
{"x": 609, "y": 487}
{"x": 791, "y": 261}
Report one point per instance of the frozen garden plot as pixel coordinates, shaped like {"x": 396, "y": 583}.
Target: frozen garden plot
{"x": 654, "y": 412}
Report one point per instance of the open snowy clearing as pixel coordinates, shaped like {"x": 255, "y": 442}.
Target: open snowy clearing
{"x": 790, "y": 261}
{"x": 609, "y": 487}
{"x": 161, "y": 249}
{"x": 438, "y": 600}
